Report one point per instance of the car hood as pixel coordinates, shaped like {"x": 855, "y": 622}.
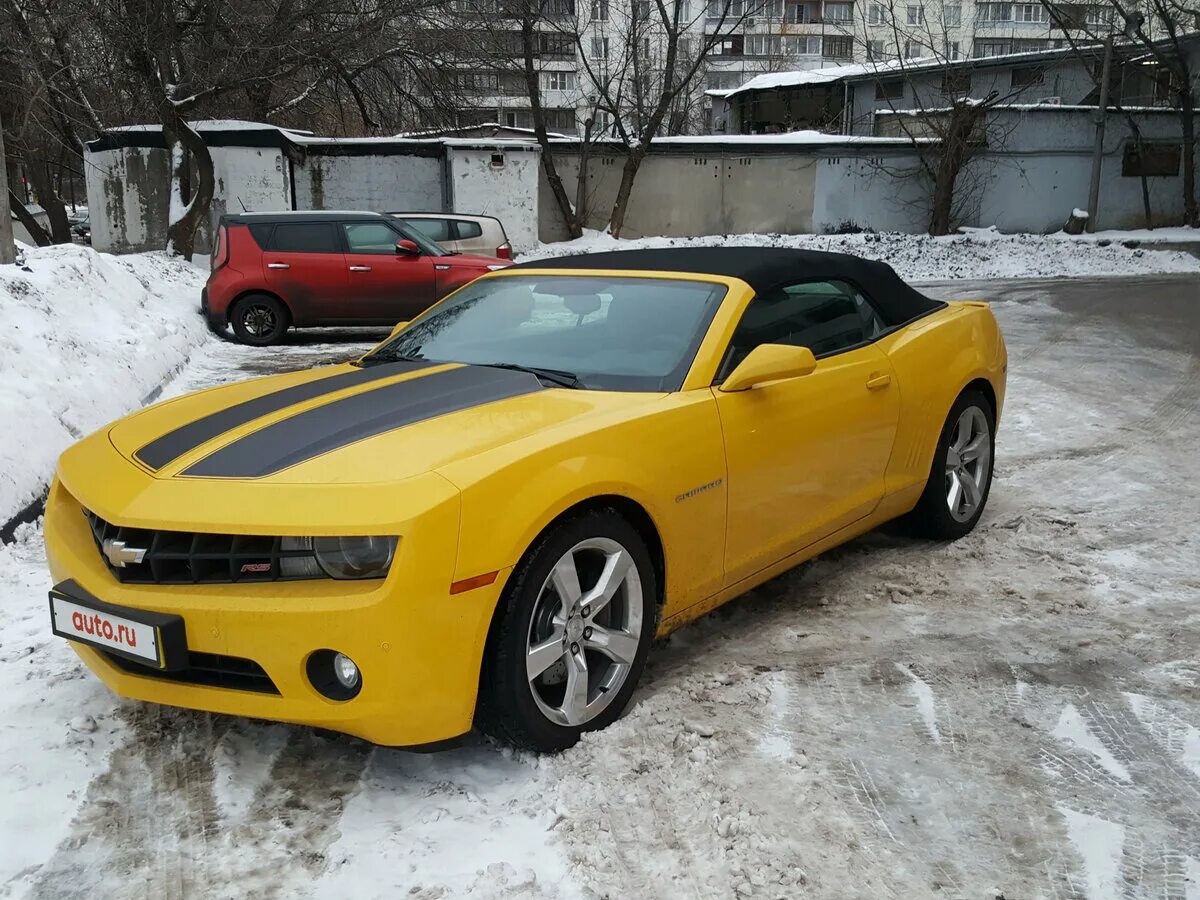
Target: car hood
{"x": 345, "y": 424}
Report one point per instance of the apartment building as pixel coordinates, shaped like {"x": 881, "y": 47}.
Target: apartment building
{"x": 584, "y": 39}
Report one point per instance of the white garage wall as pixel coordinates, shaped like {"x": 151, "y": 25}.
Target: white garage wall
{"x": 500, "y": 181}
{"x": 377, "y": 182}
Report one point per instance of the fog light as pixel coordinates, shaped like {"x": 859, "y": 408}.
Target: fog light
{"x": 346, "y": 671}
{"x": 334, "y": 674}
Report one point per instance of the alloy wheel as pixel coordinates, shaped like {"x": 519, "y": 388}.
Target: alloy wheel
{"x": 259, "y": 320}
{"x": 968, "y": 463}
{"x": 585, "y": 631}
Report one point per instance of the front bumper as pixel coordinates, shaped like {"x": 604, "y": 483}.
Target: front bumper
{"x": 418, "y": 648}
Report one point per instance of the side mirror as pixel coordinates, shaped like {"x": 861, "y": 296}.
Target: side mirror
{"x": 405, "y": 247}
{"x": 769, "y": 362}
{"x": 400, "y": 326}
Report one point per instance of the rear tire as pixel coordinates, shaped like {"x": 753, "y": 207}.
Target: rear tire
{"x": 960, "y": 478}
{"x": 259, "y": 320}
{"x": 579, "y": 613}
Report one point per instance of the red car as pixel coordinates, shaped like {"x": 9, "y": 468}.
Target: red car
{"x": 272, "y": 271}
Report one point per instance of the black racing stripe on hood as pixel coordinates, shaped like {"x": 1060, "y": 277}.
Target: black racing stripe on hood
{"x": 316, "y": 431}
{"x": 174, "y": 444}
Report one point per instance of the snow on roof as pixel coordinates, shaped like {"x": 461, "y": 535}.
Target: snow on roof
{"x": 771, "y": 80}
{"x": 216, "y": 125}
{"x": 790, "y": 138}
{"x": 439, "y": 132}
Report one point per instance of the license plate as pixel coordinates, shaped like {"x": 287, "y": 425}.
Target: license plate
{"x": 153, "y": 639}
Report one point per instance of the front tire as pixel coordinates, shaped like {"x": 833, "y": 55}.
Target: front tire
{"x": 960, "y": 478}
{"x": 259, "y": 320}
{"x": 572, "y": 635}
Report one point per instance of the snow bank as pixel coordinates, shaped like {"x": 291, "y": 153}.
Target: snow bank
{"x": 978, "y": 253}
{"x": 84, "y": 337}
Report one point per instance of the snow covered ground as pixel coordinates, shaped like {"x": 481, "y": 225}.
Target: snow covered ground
{"x": 1016, "y": 713}
{"x": 84, "y": 337}
{"x": 978, "y": 253}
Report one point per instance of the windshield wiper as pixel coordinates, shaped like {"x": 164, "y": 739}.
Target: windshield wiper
{"x": 558, "y": 376}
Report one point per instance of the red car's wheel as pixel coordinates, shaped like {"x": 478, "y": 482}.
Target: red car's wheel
{"x": 259, "y": 320}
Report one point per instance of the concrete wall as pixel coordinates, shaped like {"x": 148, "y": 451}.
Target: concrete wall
{"x": 128, "y": 199}
{"x": 884, "y": 192}
{"x": 1044, "y": 170}
{"x": 678, "y": 194}
{"x": 500, "y": 182}
{"x": 377, "y": 182}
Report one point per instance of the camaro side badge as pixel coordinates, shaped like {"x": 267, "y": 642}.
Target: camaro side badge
{"x": 688, "y": 495}
{"x": 119, "y": 554}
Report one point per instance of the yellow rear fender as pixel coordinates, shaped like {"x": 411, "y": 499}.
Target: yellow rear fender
{"x": 936, "y": 359}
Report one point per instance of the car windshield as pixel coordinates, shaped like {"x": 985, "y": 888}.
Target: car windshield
{"x": 610, "y": 333}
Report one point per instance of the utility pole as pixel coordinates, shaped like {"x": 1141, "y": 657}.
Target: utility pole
{"x": 1098, "y": 150}
{"x": 8, "y": 250}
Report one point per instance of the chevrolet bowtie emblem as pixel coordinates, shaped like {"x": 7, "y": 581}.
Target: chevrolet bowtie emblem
{"x": 118, "y": 554}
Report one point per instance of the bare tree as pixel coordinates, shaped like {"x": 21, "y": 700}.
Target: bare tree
{"x": 946, "y": 107}
{"x": 1156, "y": 30}
{"x": 657, "y": 51}
{"x": 179, "y": 60}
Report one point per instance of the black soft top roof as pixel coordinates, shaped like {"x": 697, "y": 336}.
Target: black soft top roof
{"x": 764, "y": 268}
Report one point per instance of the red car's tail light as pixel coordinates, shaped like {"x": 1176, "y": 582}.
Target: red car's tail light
{"x": 220, "y": 254}
{"x": 504, "y": 251}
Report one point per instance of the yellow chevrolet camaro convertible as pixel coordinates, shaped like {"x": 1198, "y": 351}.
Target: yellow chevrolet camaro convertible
{"x": 486, "y": 520}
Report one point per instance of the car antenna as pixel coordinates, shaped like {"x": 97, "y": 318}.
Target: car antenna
{"x": 243, "y": 205}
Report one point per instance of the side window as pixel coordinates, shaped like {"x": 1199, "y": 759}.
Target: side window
{"x": 467, "y": 230}
{"x": 825, "y": 316}
{"x": 312, "y": 237}
{"x": 437, "y": 230}
{"x": 370, "y": 237}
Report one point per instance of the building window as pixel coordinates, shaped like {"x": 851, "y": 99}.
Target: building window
{"x": 915, "y": 15}
{"x": 995, "y": 12}
{"x": 991, "y": 48}
{"x": 684, "y": 49}
{"x": 558, "y": 81}
{"x": 889, "y": 90}
{"x": 599, "y": 10}
{"x": 730, "y": 46}
{"x": 762, "y": 45}
{"x": 913, "y": 49}
{"x": 839, "y": 47}
{"x": 875, "y": 50}
{"x": 1024, "y": 76}
{"x": 1157, "y": 158}
{"x": 953, "y": 50}
{"x": 723, "y": 81}
{"x": 1032, "y": 12}
{"x": 599, "y": 48}
{"x": 1028, "y": 45}
{"x": 956, "y": 82}
{"x": 729, "y": 9}
{"x": 839, "y": 13}
{"x": 560, "y": 8}
{"x": 772, "y": 9}
{"x": 1099, "y": 15}
{"x": 803, "y": 13}
{"x": 875, "y": 14}
{"x": 561, "y": 45}
{"x": 951, "y": 16}
{"x": 802, "y": 45}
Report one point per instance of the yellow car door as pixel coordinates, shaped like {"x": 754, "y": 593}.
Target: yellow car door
{"x": 806, "y": 455}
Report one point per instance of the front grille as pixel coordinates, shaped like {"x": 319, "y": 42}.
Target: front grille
{"x": 185, "y": 557}
{"x": 208, "y": 669}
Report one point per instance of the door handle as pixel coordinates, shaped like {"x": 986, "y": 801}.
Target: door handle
{"x": 878, "y": 380}
{"x": 278, "y": 266}
{"x": 360, "y": 268}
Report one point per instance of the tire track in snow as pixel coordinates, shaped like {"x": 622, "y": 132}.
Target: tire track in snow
{"x": 153, "y": 825}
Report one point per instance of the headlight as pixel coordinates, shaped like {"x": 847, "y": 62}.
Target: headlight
{"x": 337, "y": 557}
